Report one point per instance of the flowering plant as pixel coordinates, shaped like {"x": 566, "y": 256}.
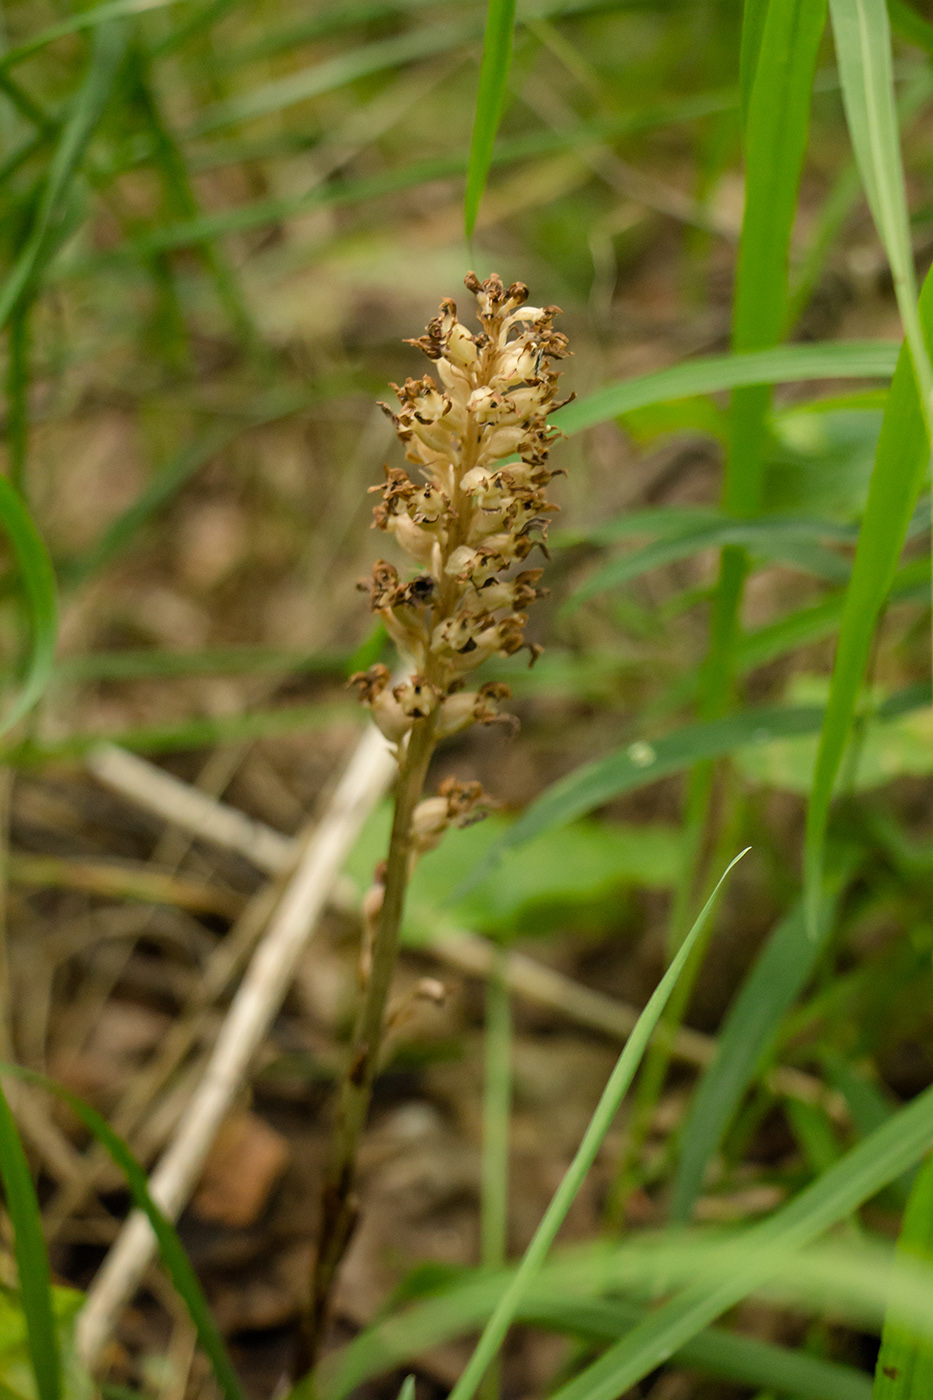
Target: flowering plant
{"x": 480, "y": 439}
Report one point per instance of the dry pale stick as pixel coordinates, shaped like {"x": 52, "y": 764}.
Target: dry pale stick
{"x": 251, "y": 1012}
{"x": 269, "y": 850}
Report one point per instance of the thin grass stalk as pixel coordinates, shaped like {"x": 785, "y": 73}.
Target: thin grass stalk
{"x": 863, "y": 45}
{"x": 905, "y": 1362}
{"x": 780, "y": 39}
{"x": 497, "y": 1103}
{"x": 32, "y": 1262}
{"x": 497, "y": 1106}
{"x": 490, "y": 103}
{"x": 610, "y": 1101}
{"x": 17, "y": 394}
{"x": 660, "y": 1053}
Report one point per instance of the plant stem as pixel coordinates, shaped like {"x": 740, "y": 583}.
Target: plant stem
{"x": 338, "y": 1197}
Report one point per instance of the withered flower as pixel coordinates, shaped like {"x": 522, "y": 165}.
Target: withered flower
{"x": 479, "y": 435}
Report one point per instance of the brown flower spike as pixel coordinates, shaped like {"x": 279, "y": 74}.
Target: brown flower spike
{"x": 478, "y": 433}
{"x": 479, "y": 436}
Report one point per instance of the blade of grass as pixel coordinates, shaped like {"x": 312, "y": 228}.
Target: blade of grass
{"x": 172, "y": 1250}
{"x": 754, "y": 14}
{"x": 859, "y": 1175}
{"x": 32, "y": 1262}
{"x": 337, "y": 72}
{"x": 312, "y": 27}
{"x": 86, "y": 110}
{"x": 803, "y": 626}
{"x": 504, "y": 1313}
{"x": 643, "y": 761}
{"x": 26, "y": 105}
{"x": 194, "y": 23}
{"x": 900, "y": 465}
{"x": 905, "y": 1362}
{"x": 169, "y": 478}
{"x": 672, "y": 522}
{"x": 911, "y": 584}
{"x": 17, "y": 395}
{"x": 786, "y": 38}
{"x": 496, "y": 1111}
{"x": 781, "y": 970}
{"x": 910, "y": 25}
{"x": 863, "y": 47}
{"x": 794, "y": 542}
{"x": 37, "y": 581}
{"x": 202, "y": 733}
{"x": 534, "y": 143}
{"x": 490, "y": 104}
{"x": 85, "y": 19}
{"x": 497, "y": 1105}
{"x": 210, "y": 661}
{"x": 163, "y": 487}
{"x": 183, "y": 202}
{"x": 461, "y": 1308}
{"x": 712, "y": 373}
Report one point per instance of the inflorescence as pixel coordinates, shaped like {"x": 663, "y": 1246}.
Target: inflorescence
{"x": 480, "y": 438}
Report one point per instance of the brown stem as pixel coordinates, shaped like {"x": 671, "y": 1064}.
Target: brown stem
{"x": 338, "y": 1203}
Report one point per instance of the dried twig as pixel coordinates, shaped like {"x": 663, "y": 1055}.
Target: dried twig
{"x": 253, "y": 1008}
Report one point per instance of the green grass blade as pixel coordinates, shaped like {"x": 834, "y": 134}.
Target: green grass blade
{"x": 775, "y": 142}
{"x": 504, "y": 1313}
{"x": 209, "y": 661}
{"x": 778, "y": 976}
{"x": 266, "y": 211}
{"x": 497, "y": 1107}
{"x": 164, "y": 486}
{"x": 32, "y": 1262}
{"x": 728, "y": 1355}
{"x": 490, "y": 103}
{"x": 170, "y": 161}
{"x": 811, "y": 624}
{"x": 635, "y": 764}
{"x": 754, "y": 13}
{"x": 171, "y": 476}
{"x": 863, "y": 48}
{"x": 858, "y": 1176}
{"x": 900, "y": 465}
{"x": 315, "y": 26}
{"x": 17, "y": 395}
{"x": 905, "y": 1362}
{"x": 337, "y": 72}
{"x": 26, "y": 105}
{"x": 172, "y": 1250}
{"x": 673, "y": 522}
{"x": 86, "y": 110}
{"x": 201, "y": 733}
{"x": 86, "y": 19}
{"x": 37, "y": 581}
{"x": 911, "y": 26}
{"x": 794, "y": 542}
{"x": 465, "y": 1306}
{"x": 790, "y": 363}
